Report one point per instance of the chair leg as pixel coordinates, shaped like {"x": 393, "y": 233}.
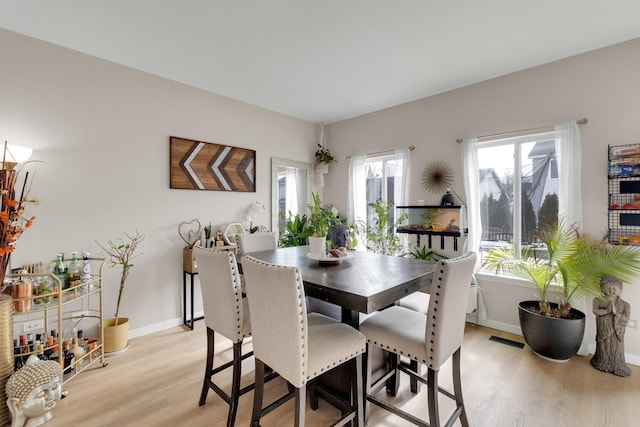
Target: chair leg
{"x": 434, "y": 415}
{"x": 414, "y": 385}
{"x": 457, "y": 387}
{"x": 393, "y": 384}
{"x": 357, "y": 392}
{"x": 208, "y": 368}
{"x": 258, "y": 394}
{"x": 235, "y": 383}
{"x": 313, "y": 395}
{"x": 301, "y": 400}
{"x": 367, "y": 382}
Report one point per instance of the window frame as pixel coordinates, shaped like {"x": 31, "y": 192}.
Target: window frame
{"x": 516, "y": 216}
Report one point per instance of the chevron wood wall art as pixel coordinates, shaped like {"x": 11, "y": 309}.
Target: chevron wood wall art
{"x": 197, "y": 165}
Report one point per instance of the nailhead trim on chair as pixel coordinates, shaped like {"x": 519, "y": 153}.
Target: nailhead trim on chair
{"x": 396, "y": 351}
{"x": 434, "y": 318}
{"x": 334, "y": 364}
{"x": 235, "y": 279}
{"x": 300, "y": 305}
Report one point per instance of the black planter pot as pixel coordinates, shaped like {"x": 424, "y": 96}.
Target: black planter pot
{"x": 550, "y": 337}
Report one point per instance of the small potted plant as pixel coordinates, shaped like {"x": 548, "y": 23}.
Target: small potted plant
{"x": 320, "y": 219}
{"x": 120, "y": 253}
{"x": 323, "y": 159}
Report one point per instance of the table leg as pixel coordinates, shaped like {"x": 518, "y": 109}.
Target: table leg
{"x": 184, "y": 301}
{"x": 188, "y": 322}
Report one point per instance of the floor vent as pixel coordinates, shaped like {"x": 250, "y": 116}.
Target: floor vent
{"x": 506, "y": 341}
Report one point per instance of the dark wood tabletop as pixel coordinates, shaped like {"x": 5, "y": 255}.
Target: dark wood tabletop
{"x": 362, "y": 284}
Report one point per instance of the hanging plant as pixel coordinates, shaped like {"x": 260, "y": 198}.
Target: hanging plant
{"x": 323, "y": 155}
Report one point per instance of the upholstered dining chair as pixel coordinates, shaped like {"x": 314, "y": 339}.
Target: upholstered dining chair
{"x": 227, "y": 313}
{"x": 429, "y": 339}
{"x": 256, "y": 242}
{"x": 297, "y": 345}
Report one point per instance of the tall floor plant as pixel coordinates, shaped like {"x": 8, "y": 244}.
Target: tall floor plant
{"x": 575, "y": 262}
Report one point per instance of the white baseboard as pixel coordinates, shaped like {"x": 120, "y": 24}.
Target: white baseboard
{"x": 632, "y": 359}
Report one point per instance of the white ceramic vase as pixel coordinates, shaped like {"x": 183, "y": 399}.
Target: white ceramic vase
{"x": 317, "y": 246}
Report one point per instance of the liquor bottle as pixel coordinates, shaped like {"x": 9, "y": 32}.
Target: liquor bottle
{"x": 73, "y": 272}
{"x": 40, "y": 352}
{"x": 60, "y": 271}
{"x": 87, "y": 283}
{"x": 49, "y": 350}
{"x": 81, "y": 341}
{"x": 18, "y": 362}
{"x": 78, "y": 352}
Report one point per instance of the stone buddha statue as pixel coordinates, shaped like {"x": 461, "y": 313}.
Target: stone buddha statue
{"x": 32, "y": 392}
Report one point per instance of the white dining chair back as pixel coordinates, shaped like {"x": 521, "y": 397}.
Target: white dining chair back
{"x": 226, "y": 313}
{"x": 257, "y": 242}
{"x": 430, "y": 339}
{"x": 446, "y": 316}
{"x": 296, "y": 345}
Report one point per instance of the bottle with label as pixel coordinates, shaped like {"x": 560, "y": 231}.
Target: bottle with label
{"x": 78, "y": 353}
{"x": 73, "y": 272}
{"x": 60, "y": 271}
{"x": 87, "y": 282}
{"x": 18, "y": 361}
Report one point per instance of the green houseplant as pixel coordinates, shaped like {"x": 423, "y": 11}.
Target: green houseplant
{"x": 321, "y": 219}
{"x": 120, "y": 252}
{"x": 323, "y": 155}
{"x": 381, "y": 237}
{"x": 296, "y": 231}
{"x": 576, "y": 264}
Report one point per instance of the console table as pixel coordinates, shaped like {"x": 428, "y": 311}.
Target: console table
{"x": 190, "y": 268}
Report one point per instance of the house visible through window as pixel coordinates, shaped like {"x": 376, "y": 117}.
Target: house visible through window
{"x": 518, "y": 189}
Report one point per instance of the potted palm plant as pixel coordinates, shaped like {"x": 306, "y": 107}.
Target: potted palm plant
{"x": 120, "y": 252}
{"x": 576, "y": 264}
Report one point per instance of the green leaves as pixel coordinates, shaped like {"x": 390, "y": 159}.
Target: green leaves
{"x": 575, "y": 262}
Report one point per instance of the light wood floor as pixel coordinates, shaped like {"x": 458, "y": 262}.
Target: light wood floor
{"x": 157, "y": 383}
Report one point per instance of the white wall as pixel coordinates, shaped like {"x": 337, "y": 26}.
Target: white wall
{"x": 102, "y": 132}
{"x": 603, "y": 86}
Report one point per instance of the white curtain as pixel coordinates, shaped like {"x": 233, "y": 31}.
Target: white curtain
{"x": 569, "y": 160}
{"x": 357, "y": 196}
{"x": 470, "y": 175}
{"x": 291, "y": 192}
{"x": 403, "y": 154}
{"x": 569, "y": 154}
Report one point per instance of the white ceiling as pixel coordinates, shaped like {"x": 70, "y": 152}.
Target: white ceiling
{"x": 326, "y": 60}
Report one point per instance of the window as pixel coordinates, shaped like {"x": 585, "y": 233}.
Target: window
{"x": 518, "y": 189}
{"x": 373, "y": 178}
{"x": 383, "y": 178}
{"x": 514, "y": 186}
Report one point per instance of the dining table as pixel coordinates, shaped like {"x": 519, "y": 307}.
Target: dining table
{"x": 359, "y": 283}
{"x": 362, "y": 282}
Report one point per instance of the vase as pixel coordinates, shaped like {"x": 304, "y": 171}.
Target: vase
{"x": 116, "y": 337}
{"x": 317, "y": 246}
{"x": 6, "y": 352}
{"x": 552, "y": 338}
{"x": 322, "y": 168}
{"x": 339, "y": 236}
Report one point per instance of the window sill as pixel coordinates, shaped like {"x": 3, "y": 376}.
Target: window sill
{"x": 511, "y": 281}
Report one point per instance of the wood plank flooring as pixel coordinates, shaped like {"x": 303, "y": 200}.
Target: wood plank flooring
{"x": 157, "y": 383}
